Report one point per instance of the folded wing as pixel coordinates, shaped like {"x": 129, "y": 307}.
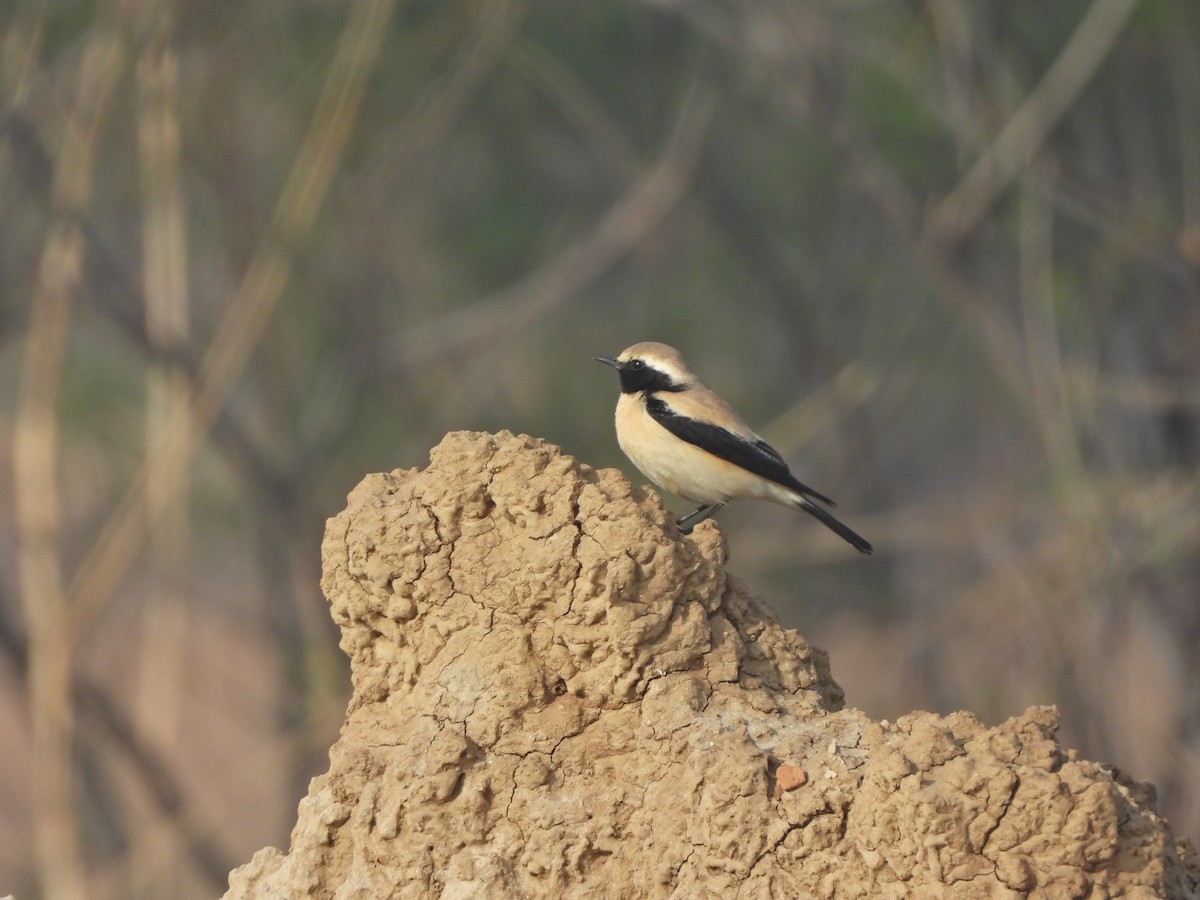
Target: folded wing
{"x": 755, "y": 456}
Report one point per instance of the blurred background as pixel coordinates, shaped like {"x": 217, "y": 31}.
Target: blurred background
{"x": 944, "y": 256}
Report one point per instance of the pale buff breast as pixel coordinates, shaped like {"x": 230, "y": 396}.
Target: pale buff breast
{"x": 682, "y": 468}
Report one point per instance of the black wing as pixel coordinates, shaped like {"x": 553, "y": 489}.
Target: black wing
{"x": 758, "y": 456}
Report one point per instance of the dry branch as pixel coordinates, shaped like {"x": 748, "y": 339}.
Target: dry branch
{"x": 250, "y": 309}
{"x": 35, "y": 461}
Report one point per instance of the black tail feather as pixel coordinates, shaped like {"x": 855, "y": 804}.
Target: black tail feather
{"x": 804, "y": 490}
{"x": 827, "y": 519}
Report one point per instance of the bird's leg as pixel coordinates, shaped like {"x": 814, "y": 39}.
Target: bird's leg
{"x": 698, "y": 515}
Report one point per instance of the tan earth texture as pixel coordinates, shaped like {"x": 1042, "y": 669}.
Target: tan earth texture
{"x": 556, "y": 694}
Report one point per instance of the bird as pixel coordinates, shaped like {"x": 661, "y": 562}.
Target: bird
{"x": 687, "y": 440}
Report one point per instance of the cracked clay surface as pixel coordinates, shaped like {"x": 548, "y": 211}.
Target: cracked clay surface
{"x": 558, "y": 695}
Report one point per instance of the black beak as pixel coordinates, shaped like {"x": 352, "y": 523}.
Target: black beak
{"x": 609, "y": 361}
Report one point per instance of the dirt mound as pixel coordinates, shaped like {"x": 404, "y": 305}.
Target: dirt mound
{"x": 556, "y": 694}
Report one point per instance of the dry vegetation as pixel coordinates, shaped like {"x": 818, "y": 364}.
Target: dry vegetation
{"x": 946, "y": 255}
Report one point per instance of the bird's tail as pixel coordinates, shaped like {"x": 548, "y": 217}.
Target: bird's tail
{"x": 855, "y": 540}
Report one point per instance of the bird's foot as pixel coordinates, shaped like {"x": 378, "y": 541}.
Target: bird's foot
{"x": 696, "y": 516}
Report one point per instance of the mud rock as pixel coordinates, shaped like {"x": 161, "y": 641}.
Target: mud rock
{"x": 556, "y": 694}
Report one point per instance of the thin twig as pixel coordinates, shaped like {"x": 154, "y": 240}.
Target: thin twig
{"x": 164, "y": 276}
{"x": 20, "y": 45}
{"x": 1042, "y": 354}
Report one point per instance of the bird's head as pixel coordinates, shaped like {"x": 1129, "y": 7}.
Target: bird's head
{"x": 651, "y": 367}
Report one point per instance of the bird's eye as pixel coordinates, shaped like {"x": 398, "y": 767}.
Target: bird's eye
{"x": 637, "y": 365}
